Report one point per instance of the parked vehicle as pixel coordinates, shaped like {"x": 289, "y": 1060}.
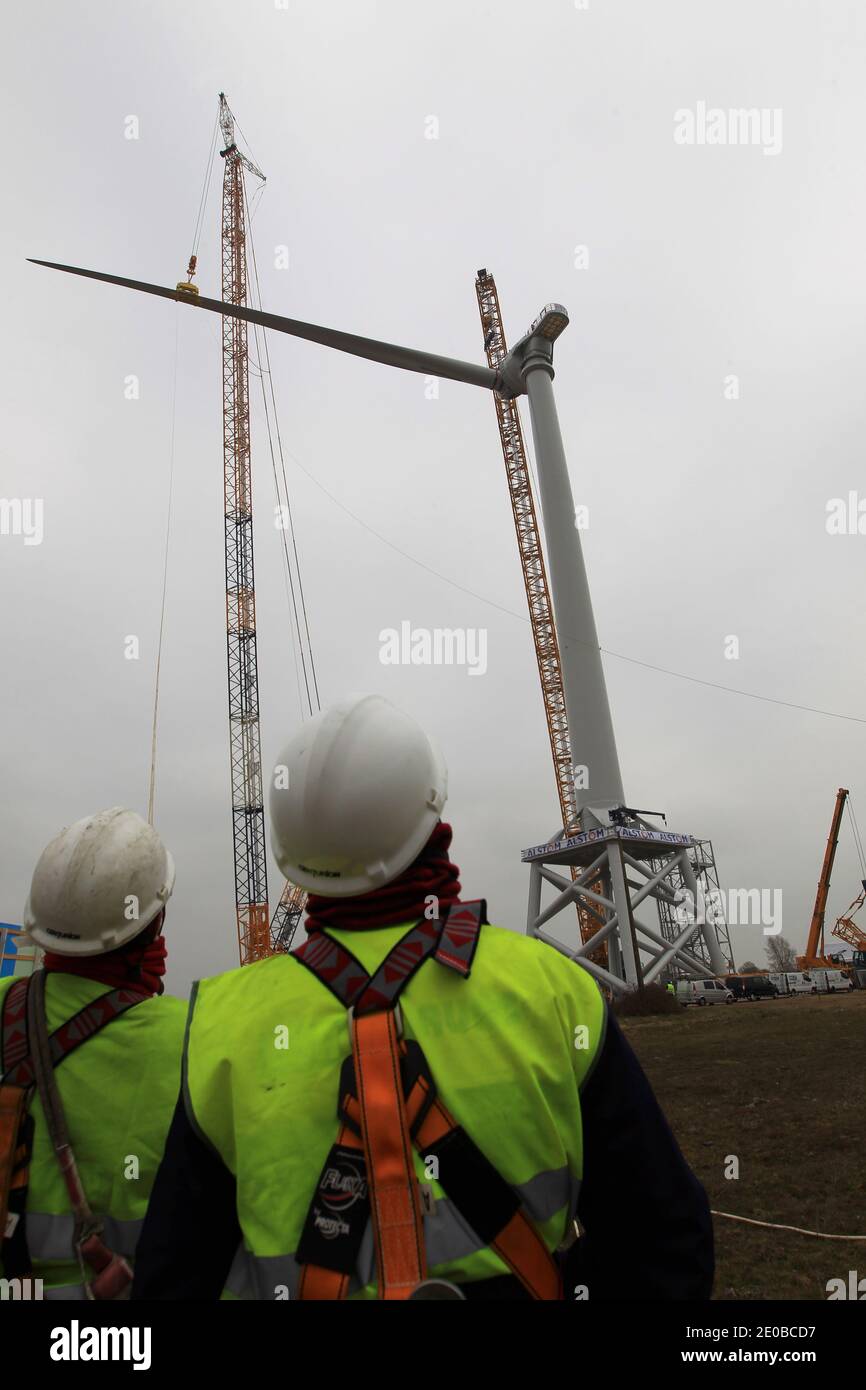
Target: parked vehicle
{"x": 794, "y": 982}
{"x": 830, "y": 982}
{"x": 752, "y": 986}
{"x": 704, "y": 992}
{"x": 815, "y": 981}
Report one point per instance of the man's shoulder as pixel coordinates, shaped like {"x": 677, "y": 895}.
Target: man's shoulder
{"x": 166, "y": 1007}
{"x": 247, "y": 982}
{"x": 528, "y": 952}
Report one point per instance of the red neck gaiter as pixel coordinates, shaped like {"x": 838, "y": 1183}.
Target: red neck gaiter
{"x": 138, "y": 965}
{"x": 431, "y": 874}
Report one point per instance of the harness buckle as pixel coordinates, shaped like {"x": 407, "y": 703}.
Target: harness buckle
{"x": 395, "y": 1010}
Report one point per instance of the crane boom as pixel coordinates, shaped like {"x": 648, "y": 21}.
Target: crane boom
{"x": 534, "y": 575}
{"x": 816, "y": 926}
{"x": 248, "y": 817}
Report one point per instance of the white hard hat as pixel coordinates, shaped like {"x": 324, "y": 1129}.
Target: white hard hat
{"x": 355, "y": 797}
{"x": 98, "y": 884}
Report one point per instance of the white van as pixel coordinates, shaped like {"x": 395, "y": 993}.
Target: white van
{"x": 703, "y": 992}
{"x": 795, "y": 982}
{"x": 830, "y": 981}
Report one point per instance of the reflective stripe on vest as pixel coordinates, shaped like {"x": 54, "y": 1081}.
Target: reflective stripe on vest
{"x": 65, "y": 1293}
{"x": 447, "y": 1236}
{"x": 50, "y": 1237}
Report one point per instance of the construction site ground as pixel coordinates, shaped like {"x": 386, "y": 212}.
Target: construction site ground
{"x": 781, "y": 1085}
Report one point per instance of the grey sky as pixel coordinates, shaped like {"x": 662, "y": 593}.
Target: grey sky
{"x": 707, "y": 515}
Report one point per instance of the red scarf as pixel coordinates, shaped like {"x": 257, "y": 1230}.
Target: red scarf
{"x": 140, "y": 964}
{"x": 431, "y": 874}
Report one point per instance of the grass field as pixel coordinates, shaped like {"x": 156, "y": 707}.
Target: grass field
{"x": 781, "y": 1084}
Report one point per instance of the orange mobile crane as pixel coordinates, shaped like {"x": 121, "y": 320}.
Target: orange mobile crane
{"x": 814, "y": 955}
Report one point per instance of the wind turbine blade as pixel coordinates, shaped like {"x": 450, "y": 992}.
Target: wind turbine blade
{"x": 390, "y": 354}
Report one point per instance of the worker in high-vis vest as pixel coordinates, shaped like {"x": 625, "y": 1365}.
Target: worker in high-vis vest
{"x": 413, "y": 1103}
{"x": 112, "y": 1066}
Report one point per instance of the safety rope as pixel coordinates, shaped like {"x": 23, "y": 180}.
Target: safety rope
{"x": 776, "y": 1226}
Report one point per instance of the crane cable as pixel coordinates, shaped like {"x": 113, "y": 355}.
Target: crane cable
{"x": 298, "y": 600}
{"x": 521, "y": 617}
{"x": 152, "y": 787}
{"x": 208, "y": 173}
{"x": 857, "y": 840}
{"x": 199, "y": 223}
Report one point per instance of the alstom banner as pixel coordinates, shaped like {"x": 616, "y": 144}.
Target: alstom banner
{"x": 602, "y": 833}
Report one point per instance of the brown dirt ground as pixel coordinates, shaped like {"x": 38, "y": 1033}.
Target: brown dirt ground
{"x": 781, "y": 1084}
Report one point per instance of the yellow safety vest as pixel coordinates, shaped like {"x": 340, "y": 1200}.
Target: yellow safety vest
{"x": 119, "y": 1090}
{"x": 509, "y": 1049}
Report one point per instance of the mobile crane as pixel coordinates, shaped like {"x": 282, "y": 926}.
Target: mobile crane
{"x": 815, "y": 956}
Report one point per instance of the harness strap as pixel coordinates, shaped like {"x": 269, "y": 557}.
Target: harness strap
{"x": 12, "y": 1110}
{"x": 333, "y": 966}
{"x": 453, "y": 939}
{"x": 385, "y": 987}
{"x": 398, "y": 1230}
{"x": 459, "y": 939}
{"x": 18, "y": 1045}
{"x": 16, "y": 1055}
{"x": 14, "y": 1042}
{"x": 339, "y": 1213}
{"x": 486, "y": 1200}
{"x": 388, "y": 1102}
{"x": 478, "y": 1191}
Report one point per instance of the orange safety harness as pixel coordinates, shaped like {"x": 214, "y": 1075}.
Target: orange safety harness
{"x": 28, "y": 1057}
{"x": 387, "y": 1104}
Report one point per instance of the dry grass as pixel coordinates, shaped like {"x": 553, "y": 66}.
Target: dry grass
{"x": 781, "y": 1084}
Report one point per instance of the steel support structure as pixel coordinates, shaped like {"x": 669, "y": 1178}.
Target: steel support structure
{"x": 709, "y": 901}
{"x": 637, "y": 864}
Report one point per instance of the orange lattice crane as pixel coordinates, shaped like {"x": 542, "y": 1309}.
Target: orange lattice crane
{"x": 248, "y": 815}
{"x": 535, "y": 580}
{"x": 847, "y": 930}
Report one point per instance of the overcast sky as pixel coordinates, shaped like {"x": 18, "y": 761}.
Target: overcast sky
{"x": 707, "y": 508}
